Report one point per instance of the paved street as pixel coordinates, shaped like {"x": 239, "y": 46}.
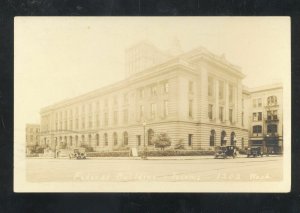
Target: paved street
{"x": 239, "y": 169}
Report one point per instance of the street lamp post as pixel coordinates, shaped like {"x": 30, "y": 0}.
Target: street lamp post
{"x": 145, "y": 147}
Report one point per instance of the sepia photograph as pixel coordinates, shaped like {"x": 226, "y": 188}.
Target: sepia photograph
{"x": 152, "y": 104}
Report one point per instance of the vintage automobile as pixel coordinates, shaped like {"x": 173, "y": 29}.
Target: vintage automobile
{"x": 254, "y": 151}
{"x": 226, "y": 151}
{"x": 78, "y": 154}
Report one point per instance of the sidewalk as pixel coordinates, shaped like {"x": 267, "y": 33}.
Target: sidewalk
{"x": 153, "y": 158}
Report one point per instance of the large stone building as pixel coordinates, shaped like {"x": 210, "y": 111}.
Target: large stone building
{"x": 266, "y": 117}
{"x": 32, "y": 136}
{"x": 196, "y": 97}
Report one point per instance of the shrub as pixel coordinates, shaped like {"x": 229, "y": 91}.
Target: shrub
{"x": 162, "y": 140}
{"x": 121, "y": 148}
{"x": 159, "y": 153}
{"x": 108, "y": 154}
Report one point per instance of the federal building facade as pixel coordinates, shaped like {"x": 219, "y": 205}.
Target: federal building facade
{"x": 195, "y": 97}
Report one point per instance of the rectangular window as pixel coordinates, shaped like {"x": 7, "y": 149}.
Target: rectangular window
{"x": 254, "y": 116}
{"x": 142, "y": 93}
{"x": 115, "y": 100}
{"x": 141, "y": 111}
{"x": 126, "y": 98}
{"x": 221, "y": 90}
{"x": 97, "y": 106}
{"x": 230, "y": 115}
{"x": 166, "y": 108}
{"x": 83, "y": 123}
{"x": 90, "y": 122}
{"x": 115, "y": 117}
{"x": 210, "y": 86}
{"x": 138, "y": 137}
{"x": 106, "y": 119}
{"x": 190, "y": 108}
{"x": 71, "y": 124}
{"x": 272, "y": 128}
{"x": 269, "y": 115}
{"x": 153, "y": 111}
{"x": 76, "y": 123}
{"x": 153, "y": 91}
{"x": 191, "y": 87}
{"x": 190, "y": 142}
{"x": 90, "y": 108}
{"x": 257, "y": 129}
{"x": 259, "y": 117}
{"x": 125, "y": 114}
{"x": 230, "y": 93}
{"x": 254, "y": 103}
{"x": 275, "y": 115}
{"x": 97, "y": 120}
{"x": 166, "y": 87}
{"x": 221, "y": 113}
{"x": 242, "y": 118}
{"x": 259, "y": 102}
{"x": 210, "y": 111}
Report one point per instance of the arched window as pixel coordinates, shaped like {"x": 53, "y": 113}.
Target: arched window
{"x": 76, "y": 140}
{"x": 212, "y": 137}
{"x": 232, "y": 139}
{"x": 257, "y": 129}
{"x": 105, "y": 139}
{"x": 115, "y": 136}
{"x": 125, "y": 138}
{"x": 223, "y": 138}
{"x": 97, "y": 139}
{"x": 82, "y": 139}
{"x": 70, "y": 141}
{"x": 150, "y": 136}
{"x": 272, "y": 100}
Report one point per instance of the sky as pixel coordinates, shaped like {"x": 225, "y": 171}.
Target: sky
{"x": 57, "y": 58}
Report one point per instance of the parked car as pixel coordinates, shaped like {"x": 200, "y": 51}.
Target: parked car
{"x": 254, "y": 151}
{"x": 78, "y": 154}
{"x": 226, "y": 151}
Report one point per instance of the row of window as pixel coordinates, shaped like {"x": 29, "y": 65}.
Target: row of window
{"x": 271, "y": 128}
{"x": 271, "y": 115}
{"x": 221, "y": 113}
{"x": 223, "y": 138}
{"x": 221, "y": 88}
{"x": 153, "y": 90}
{"x": 32, "y": 130}
{"x": 271, "y": 100}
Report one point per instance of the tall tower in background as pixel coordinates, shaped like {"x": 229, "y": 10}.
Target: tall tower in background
{"x": 142, "y": 56}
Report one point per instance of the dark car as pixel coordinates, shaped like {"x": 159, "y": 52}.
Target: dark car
{"x": 78, "y": 154}
{"x": 225, "y": 151}
{"x": 254, "y": 151}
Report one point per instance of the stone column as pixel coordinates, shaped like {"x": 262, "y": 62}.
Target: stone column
{"x": 226, "y": 110}
{"x": 216, "y": 116}
{"x": 203, "y": 95}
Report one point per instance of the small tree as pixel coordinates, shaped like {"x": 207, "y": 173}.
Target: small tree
{"x": 162, "y": 140}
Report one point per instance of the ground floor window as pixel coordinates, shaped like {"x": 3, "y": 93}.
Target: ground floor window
{"x": 138, "y": 137}
{"x": 105, "y": 139}
{"x": 223, "y": 138}
{"x": 190, "y": 139}
{"x": 97, "y": 139}
{"x": 125, "y": 135}
{"x": 212, "y": 138}
{"x": 150, "y": 137}
{"x": 115, "y": 136}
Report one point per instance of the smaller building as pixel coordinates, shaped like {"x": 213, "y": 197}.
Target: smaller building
{"x": 32, "y": 137}
{"x": 266, "y": 118}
